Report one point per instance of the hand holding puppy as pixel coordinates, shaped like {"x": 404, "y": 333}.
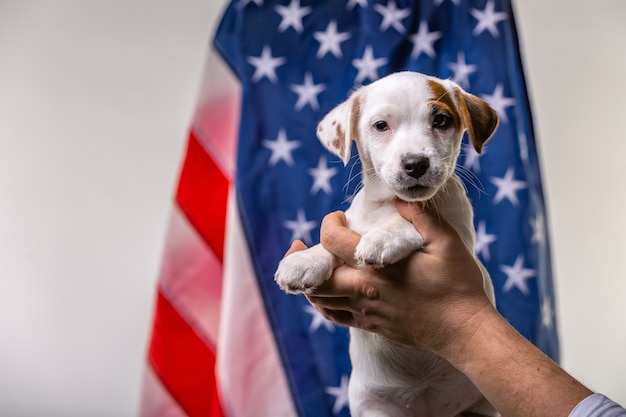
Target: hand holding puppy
{"x": 435, "y": 301}
{"x": 424, "y": 301}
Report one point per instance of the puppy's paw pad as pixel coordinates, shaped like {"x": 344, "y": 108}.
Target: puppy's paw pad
{"x": 301, "y": 272}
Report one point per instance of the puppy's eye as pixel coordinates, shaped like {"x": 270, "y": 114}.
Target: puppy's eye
{"x": 441, "y": 121}
{"x": 381, "y": 126}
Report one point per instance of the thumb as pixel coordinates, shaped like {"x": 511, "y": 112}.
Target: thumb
{"x": 426, "y": 219}
{"x": 337, "y": 238}
{"x": 296, "y": 246}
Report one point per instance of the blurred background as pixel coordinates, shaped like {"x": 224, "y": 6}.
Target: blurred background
{"x": 95, "y": 101}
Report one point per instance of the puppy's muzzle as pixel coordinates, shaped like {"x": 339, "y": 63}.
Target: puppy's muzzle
{"x": 415, "y": 166}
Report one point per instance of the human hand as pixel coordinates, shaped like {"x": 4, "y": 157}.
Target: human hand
{"x": 435, "y": 301}
{"x": 426, "y": 301}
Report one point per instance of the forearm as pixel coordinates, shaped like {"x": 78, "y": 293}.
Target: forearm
{"x": 517, "y": 378}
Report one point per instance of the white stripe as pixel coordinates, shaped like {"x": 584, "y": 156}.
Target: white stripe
{"x": 155, "y": 400}
{"x": 250, "y": 373}
{"x": 191, "y": 277}
{"x": 216, "y": 121}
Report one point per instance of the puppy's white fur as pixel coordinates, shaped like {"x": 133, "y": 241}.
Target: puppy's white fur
{"x": 408, "y": 129}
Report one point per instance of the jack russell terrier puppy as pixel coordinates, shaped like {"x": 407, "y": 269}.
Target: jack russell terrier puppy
{"x": 408, "y": 129}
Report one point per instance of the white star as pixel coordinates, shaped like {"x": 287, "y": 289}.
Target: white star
{"x": 499, "y": 102}
{"x": 368, "y": 65}
{"x": 392, "y": 16}
{"x": 539, "y": 229}
{"x": 318, "y": 320}
{"x": 517, "y": 276}
{"x": 340, "y": 393}
{"x": 488, "y": 19}
{"x": 507, "y": 187}
{"x": 483, "y": 240}
{"x": 352, "y": 3}
{"x": 461, "y": 70}
{"x": 472, "y": 158}
{"x": 547, "y": 314}
{"x": 292, "y": 16}
{"x": 423, "y": 41}
{"x": 321, "y": 176}
{"x": 265, "y": 65}
{"x": 330, "y": 40}
{"x": 281, "y": 149}
{"x": 439, "y": 2}
{"x": 301, "y": 227}
{"x": 307, "y": 92}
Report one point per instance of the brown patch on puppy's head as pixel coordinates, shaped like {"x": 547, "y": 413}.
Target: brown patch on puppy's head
{"x": 479, "y": 118}
{"x": 340, "y": 136}
{"x": 339, "y": 127}
{"x": 442, "y": 101}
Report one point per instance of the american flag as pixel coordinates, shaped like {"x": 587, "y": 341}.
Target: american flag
{"x": 226, "y": 340}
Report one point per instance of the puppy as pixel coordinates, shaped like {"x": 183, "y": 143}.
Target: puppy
{"x": 408, "y": 129}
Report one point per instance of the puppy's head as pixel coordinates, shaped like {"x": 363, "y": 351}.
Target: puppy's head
{"x": 408, "y": 129}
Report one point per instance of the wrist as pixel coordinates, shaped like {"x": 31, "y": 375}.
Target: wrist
{"x": 468, "y": 325}
{"x": 489, "y": 351}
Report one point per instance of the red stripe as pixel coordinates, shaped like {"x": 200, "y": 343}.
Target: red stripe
{"x": 202, "y": 195}
{"x": 183, "y": 362}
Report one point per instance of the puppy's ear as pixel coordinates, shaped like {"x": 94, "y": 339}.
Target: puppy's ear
{"x": 479, "y": 118}
{"x": 340, "y": 126}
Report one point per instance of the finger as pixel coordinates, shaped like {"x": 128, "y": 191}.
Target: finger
{"x": 426, "y": 219}
{"x": 337, "y": 238}
{"x": 341, "y": 284}
{"x": 342, "y": 317}
{"x": 348, "y": 282}
{"x": 296, "y": 246}
{"x": 332, "y": 303}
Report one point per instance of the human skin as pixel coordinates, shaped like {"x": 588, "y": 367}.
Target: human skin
{"x": 435, "y": 301}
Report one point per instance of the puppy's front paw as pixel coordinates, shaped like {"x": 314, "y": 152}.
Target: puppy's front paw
{"x": 302, "y": 271}
{"x": 375, "y": 249}
{"x": 380, "y": 247}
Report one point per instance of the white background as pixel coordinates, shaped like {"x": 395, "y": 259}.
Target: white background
{"x": 95, "y": 100}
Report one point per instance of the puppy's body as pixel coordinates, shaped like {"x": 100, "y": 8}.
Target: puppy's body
{"x": 394, "y": 380}
{"x": 408, "y": 129}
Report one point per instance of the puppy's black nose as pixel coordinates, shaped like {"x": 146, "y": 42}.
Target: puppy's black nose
{"x": 415, "y": 166}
